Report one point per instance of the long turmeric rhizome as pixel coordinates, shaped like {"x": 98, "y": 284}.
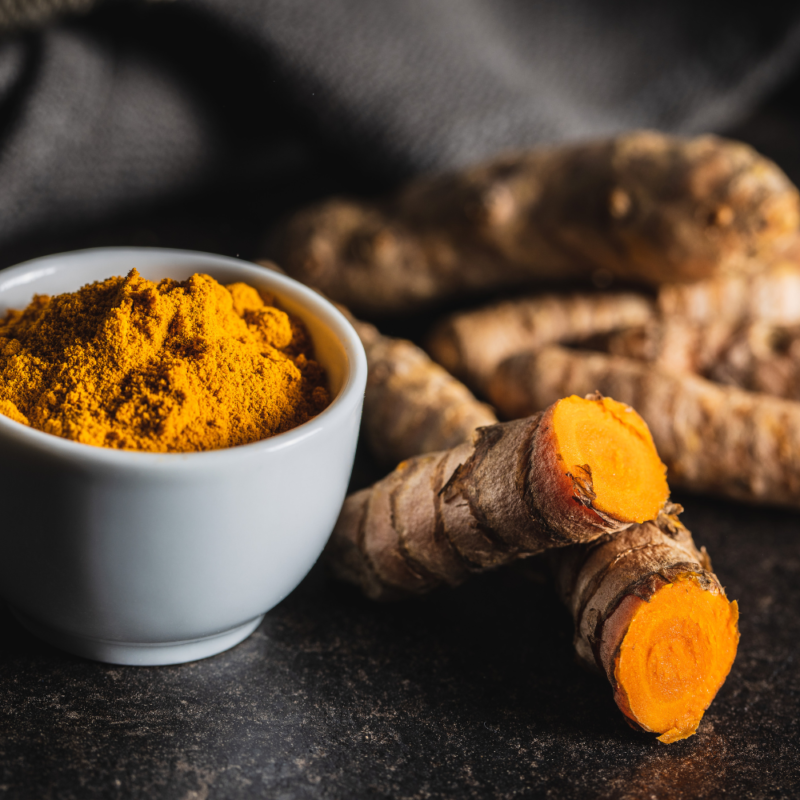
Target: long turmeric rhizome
{"x": 162, "y": 367}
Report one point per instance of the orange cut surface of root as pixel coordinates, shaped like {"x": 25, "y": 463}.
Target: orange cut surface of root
{"x": 609, "y": 443}
{"x": 676, "y": 654}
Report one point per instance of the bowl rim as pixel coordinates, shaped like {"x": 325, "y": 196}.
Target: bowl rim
{"x": 351, "y": 393}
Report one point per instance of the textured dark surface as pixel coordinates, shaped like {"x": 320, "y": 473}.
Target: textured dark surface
{"x": 469, "y": 693}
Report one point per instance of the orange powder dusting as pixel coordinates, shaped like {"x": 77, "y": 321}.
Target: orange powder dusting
{"x": 167, "y": 367}
{"x": 675, "y": 656}
{"x": 607, "y": 444}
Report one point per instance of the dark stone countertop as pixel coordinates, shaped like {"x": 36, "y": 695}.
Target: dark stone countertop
{"x": 472, "y": 692}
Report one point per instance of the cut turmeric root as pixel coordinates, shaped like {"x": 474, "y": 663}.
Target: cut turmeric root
{"x": 675, "y": 656}
{"x": 401, "y": 537}
{"x": 581, "y": 468}
{"x": 610, "y": 443}
{"x": 713, "y": 438}
{"x": 653, "y": 618}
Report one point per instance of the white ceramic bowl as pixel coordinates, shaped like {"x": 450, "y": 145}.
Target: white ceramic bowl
{"x": 142, "y": 558}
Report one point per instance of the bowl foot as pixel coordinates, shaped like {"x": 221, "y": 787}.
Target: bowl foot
{"x": 139, "y": 654}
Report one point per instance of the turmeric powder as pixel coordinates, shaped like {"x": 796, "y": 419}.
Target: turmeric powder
{"x": 130, "y": 364}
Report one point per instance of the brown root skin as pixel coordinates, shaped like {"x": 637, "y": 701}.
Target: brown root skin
{"x": 756, "y": 357}
{"x": 413, "y": 405}
{"x": 676, "y": 344}
{"x": 471, "y": 344}
{"x": 729, "y": 442}
{"x": 768, "y": 295}
{"x": 760, "y": 358}
{"x": 607, "y": 583}
{"x": 506, "y": 495}
{"x": 642, "y": 206}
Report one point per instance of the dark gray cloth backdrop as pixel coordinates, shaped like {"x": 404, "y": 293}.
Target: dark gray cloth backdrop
{"x": 134, "y": 103}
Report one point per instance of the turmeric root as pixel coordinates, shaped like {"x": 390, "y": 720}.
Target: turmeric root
{"x": 756, "y": 357}
{"x": 642, "y": 206}
{"x": 651, "y": 616}
{"x": 771, "y": 295}
{"x": 675, "y": 344}
{"x": 645, "y": 590}
{"x": 623, "y": 572}
{"x": 579, "y": 469}
{"x": 471, "y": 344}
{"x": 761, "y": 358}
{"x": 712, "y": 438}
{"x": 412, "y": 405}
